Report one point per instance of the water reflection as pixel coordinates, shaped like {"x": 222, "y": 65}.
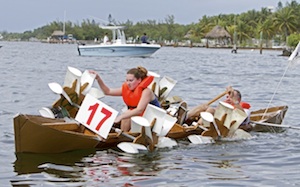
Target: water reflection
{"x": 112, "y": 165}
{"x": 224, "y": 170}
{"x": 84, "y": 167}
{"x": 29, "y": 163}
{"x": 35, "y": 169}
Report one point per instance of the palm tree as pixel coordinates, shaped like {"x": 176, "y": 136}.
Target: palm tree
{"x": 267, "y": 29}
{"x": 285, "y": 21}
{"x": 204, "y": 26}
{"x": 243, "y": 31}
{"x": 251, "y": 18}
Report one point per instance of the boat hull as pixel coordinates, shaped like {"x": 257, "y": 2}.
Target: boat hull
{"x": 37, "y": 134}
{"x": 125, "y": 50}
{"x": 273, "y": 115}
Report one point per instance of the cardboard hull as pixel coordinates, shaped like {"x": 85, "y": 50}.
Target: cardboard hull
{"x": 272, "y": 115}
{"x": 37, "y": 134}
{"x": 34, "y": 134}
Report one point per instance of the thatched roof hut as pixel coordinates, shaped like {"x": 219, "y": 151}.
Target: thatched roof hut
{"x": 56, "y": 37}
{"x": 218, "y": 32}
{"x": 57, "y": 33}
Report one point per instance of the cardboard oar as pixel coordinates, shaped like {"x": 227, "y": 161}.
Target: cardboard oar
{"x": 146, "y": 141}
{"x": 224, "y": 113}
{"x": 207, "y": 136}
{"x": 198, "y": 139}
{"x": 133, "y": 148}
{"x": 130, "y": 147}
{"x": 145, "y": 138}
{"x": 217, "y": 98}
{"x": 56, "y": 88}
{"x": 139, "y": 124}
{"x": 46, "y": 112}
{"x": 210, "y": 118}
{"x": 161, "y": 124}
{"x": 164, "y": 142}
{"x": 195, "y": 112}
{"x": 275, "y": 125}
{"x": 168, "y": 83}
{"x": 122, "y": 133}
{"x": 206, "y": 116}
{"x": 72, "y": 75}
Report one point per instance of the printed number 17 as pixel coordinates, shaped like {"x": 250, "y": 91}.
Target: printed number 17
{"x": 94, "y": 108}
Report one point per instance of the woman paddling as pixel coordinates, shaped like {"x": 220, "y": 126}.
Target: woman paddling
{"x": 135, "y": 93}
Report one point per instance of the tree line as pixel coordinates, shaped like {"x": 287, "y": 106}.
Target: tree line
{"x": 279, "y": 24}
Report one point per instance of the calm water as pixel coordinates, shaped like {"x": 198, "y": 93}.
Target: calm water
{"x": 267, "y": 159}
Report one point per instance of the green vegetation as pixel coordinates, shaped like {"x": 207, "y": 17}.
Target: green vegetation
{"x": 280, "y": 25}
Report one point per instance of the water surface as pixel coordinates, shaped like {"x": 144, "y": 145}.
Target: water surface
{"x": 268, "y": 159}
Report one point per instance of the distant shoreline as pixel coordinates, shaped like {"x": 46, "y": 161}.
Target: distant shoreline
{"x": 194, "y": 45}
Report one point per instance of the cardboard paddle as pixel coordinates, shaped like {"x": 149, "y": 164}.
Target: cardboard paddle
{"x": 195, "y": 112}
{"x": 56, "y": 88}
{"x": 213, "y": 131}
{"x": 140, "y": 143}
{"x": 144, "y": 139}
{"x": 216, "y": 128}
{"x": 217, "y": 98}
{"x": 120, "y": 132}
{"x": 144, "y": 142}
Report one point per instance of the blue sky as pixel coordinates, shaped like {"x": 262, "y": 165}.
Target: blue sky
{"x": 20, "y": 15}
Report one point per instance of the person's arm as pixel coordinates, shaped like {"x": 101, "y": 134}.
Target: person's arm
{"x": 106, "y": 90}
{"x": 145, "y": 99}
{"x": 195, "y": 111}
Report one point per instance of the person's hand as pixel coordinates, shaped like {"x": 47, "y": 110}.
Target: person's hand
{"x": 118, "y": 119}
{"x": 94, "y": 73}
{"x": 229, "y": 90}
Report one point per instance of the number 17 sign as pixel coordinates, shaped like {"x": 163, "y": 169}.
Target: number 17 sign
{"x": 96, "y": 115}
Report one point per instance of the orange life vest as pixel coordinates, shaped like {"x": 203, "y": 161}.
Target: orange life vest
{"x": 132, "y": 97}
{"x": 245, "y": 105}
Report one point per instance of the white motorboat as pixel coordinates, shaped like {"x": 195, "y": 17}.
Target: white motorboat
{"x": 118, "y": 46}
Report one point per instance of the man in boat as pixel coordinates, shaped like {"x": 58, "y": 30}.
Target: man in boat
{"x": 234, "y": 98}
{"x": 144, "y": 39}
{"x": 105, "y": 39}
{"x": 135, "y": 93}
